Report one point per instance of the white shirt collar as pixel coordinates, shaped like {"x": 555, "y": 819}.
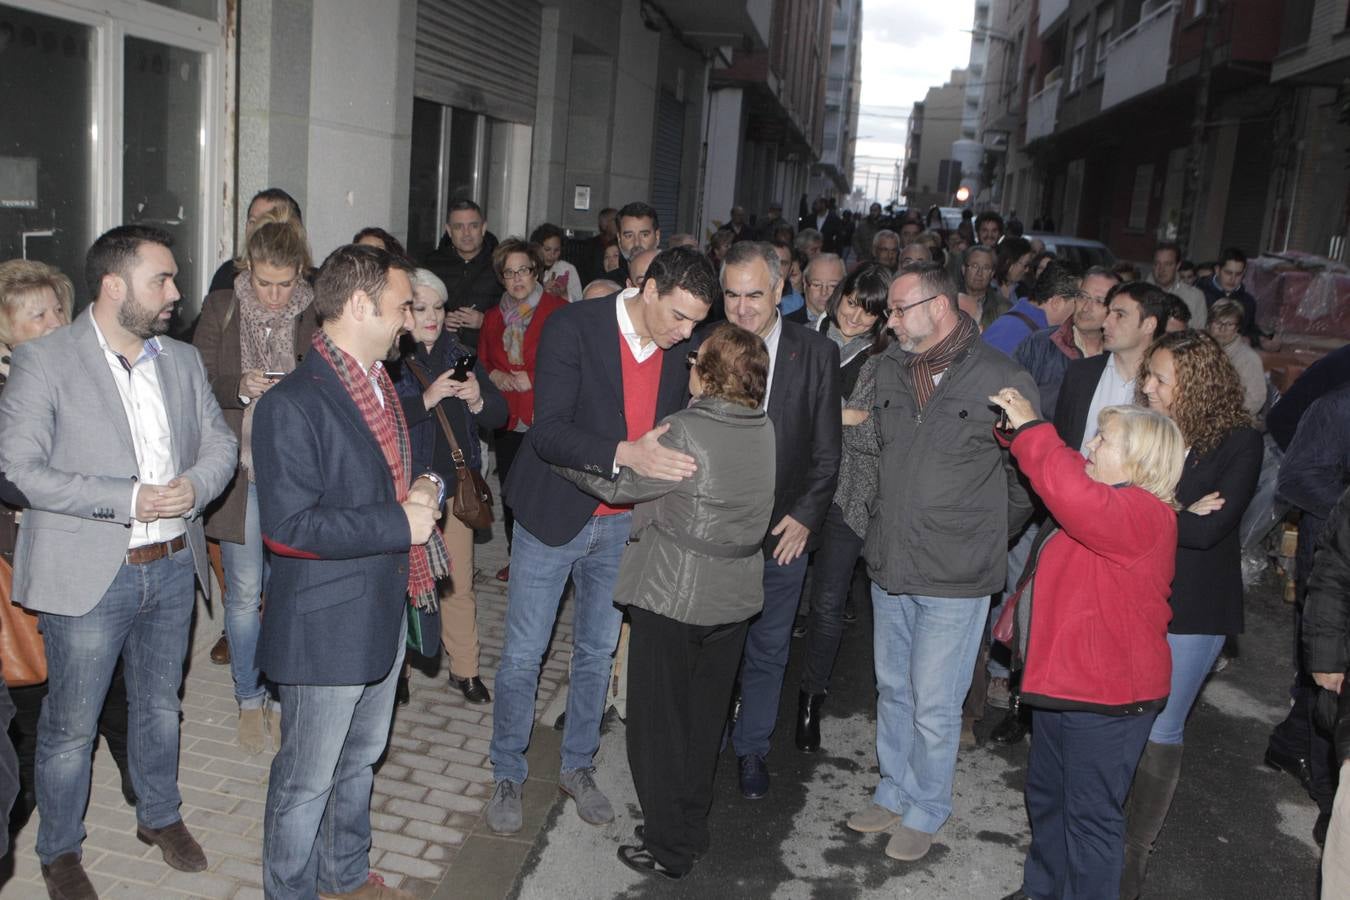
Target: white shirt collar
{"x": 629, "y": 332}
{"x": 152, "y": 347}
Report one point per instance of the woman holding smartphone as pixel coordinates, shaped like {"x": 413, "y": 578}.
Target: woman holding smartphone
{"x": 457, "y": 383}
{"x": 250, "y": 336}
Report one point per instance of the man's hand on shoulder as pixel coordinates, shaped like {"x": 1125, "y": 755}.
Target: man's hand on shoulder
{"x": 651, "y": 459}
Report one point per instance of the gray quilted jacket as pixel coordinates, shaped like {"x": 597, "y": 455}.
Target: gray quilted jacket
{"x": 693, "y": 554}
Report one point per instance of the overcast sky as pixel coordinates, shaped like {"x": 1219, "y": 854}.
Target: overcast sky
{"x": 908, "y": 46}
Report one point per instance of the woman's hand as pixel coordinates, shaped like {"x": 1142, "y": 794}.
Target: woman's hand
{"x": 1019, "y": 408}
{"x": 1206, "y": 504}
{"x": 1332, "y": 681}
{"x": 468, "y": 390}
{"x": 856, "y": 416}
{"x": 521, "y": 380}
{"x": 502, "y": 379}
{"x": 253, "y": 384}
{"x": 438, "y": 390}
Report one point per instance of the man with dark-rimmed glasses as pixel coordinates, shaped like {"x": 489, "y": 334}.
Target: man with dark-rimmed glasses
{"x": 947, "y": 502}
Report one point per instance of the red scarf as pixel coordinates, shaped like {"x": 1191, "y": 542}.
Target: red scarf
{"x": 929, "y": 364}
{"x": 426, "y": 562}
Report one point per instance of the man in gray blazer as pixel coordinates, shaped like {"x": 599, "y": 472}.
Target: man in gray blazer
{"x": 112, "y": 433}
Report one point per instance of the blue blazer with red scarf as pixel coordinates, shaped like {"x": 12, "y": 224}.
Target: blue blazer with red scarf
{"x": 339, "y": 539}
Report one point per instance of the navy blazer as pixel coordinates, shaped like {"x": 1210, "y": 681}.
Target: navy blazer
{"x": 338, "y": 585}
{"x": 805, "y": 411}
{"x": 1075, "y": 397}
{"x": 579, "y": 416}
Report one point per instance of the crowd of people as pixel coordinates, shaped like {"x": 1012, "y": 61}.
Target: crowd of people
{"x": 1041, "y": 473}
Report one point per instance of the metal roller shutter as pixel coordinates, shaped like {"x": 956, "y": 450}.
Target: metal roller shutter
{"x": 667, "y": 161}
{"x": 482, "y": 57}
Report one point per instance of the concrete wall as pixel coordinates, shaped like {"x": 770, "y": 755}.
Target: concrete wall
{"x": 325, "y": 111}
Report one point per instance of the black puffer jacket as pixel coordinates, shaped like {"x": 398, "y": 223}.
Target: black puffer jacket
{"x": 1326, "y": 612}
{"x": 470, "y": 282}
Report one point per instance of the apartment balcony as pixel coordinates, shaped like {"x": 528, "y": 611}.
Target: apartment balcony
{"x": 1137, "y": 61}
{"x": 716, "y": 23}
{"x": 1051, "y": 10}
{"x": 1042, "y": 112}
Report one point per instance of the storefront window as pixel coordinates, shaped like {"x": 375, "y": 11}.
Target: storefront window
{"x": 162, "y": 136}
{"x": 46, "y": 141}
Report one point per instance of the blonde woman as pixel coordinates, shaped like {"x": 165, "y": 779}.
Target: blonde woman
{"x": 1092, "y": 613}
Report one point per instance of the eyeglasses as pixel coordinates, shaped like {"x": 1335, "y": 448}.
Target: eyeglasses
{"x": 691, "y": 359}
{"x": 1219, "y": 325}
{"x": 517, "y": 273}
{"x": 899, "y": 311}
{"x": 823, "y": 286}
{"x": 980, "y": 270}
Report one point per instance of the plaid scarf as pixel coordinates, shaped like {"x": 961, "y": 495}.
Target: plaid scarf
{"x": 426, "y": 562}
{"x": 934, "y": 361}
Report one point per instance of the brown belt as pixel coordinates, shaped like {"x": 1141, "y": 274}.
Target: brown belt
{"x": 151, "y": 552}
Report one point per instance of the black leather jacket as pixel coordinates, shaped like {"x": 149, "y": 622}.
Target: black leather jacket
{"x": 1326, "y": 612}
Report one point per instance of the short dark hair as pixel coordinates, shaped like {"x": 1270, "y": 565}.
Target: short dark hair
{"x": 351, "y": 268}
{"x": 688, "y": 269}
{"x": 638, "y": 210}
{"x": 1185, "y": 266}
{"x": 117, "y": 251}
{"x": 869, "y": 284}
{"x": 1009, "y": 251}
{"x": 462, "y": 204}
{"x": 1152, "y": 302}
{"x": 935, "y": 280}
{"x": 1177, "y": 309}
{"x": 544, "y": 232}
{"x": 1168, "y": 245}
{"x": 1231, "y": 254}
{"x": 516, "y": 245}
{"x": 989, "y": 216}
{"x": 277, "y": 195}
{"x": 389, "y": 242}
{"x": 733, "y": 365}
{"x": 1058, "y": 280}
{"x": 1100, "y": 272}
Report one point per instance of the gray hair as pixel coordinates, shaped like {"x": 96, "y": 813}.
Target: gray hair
{"x": 806, "y": 237}
{"x": 745, "y": 252}
{"x": 979, "y": 248}
{"x": 823, "y": 258}
{"x": 429, "y": 279}
{"x": 884, "y": 233}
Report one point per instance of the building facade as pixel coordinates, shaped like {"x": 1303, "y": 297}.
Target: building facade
{"x": 175, "y": 112}
{"x": 932, "y": 174}
{"x": 833, "y": 175}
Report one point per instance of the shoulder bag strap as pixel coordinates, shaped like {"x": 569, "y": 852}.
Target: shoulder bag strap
{"x": 455, "y": 453}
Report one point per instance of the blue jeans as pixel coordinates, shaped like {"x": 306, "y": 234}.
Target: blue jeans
{"x": 316, "y": 827}
{"x": 245, "y": 570}
{"x": 538, "y": 574}
{"x": 925, "y": 649}
{"x": 1193, "y": 656}
{"x": 766, "y": 655}
{"x": 1078, "y": 774}
{"x": 144, "y": 618}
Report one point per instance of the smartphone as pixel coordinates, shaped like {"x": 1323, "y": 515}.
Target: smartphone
{"x": 462, "y": 368}
{"x": 274, "y": 376}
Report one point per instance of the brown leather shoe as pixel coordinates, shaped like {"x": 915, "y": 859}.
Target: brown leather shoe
{"x": 180, "y": 848}
{"x": 373, "y": 889}
{"x": 220, "y": 653}
{"x": 66, "y": 880}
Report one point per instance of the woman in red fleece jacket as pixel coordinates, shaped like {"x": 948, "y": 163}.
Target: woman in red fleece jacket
{"x": 1093, "y": 616}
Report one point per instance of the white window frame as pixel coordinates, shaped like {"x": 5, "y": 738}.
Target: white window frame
{"x": 113, "y": 21}
{"x": 1106, "y": 20}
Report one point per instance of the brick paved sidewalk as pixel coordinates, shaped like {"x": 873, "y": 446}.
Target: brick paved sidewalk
{"x": 429, "y": 794}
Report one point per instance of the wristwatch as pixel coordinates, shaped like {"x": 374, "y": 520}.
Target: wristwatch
{"x": 440, "y": 485}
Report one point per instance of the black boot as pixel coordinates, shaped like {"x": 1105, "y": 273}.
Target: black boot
{"x": 1015, "y": 724}
{"x": 808, "y": 721}
{"x": 1155, "y": 781}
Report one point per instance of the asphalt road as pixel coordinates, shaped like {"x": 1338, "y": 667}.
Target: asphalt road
{"x": 1237, "y": 829}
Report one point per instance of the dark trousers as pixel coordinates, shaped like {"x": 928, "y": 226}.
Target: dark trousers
{"x": 1078, "y": 775}
{"x": 507, "y": 444}
{"x": 112, "y": 726}
{"x": 766, "y": 655}
{"x": 680, "y": 679}
{"x": 831, "y": 582}
{"x": 1298, "y": 736}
